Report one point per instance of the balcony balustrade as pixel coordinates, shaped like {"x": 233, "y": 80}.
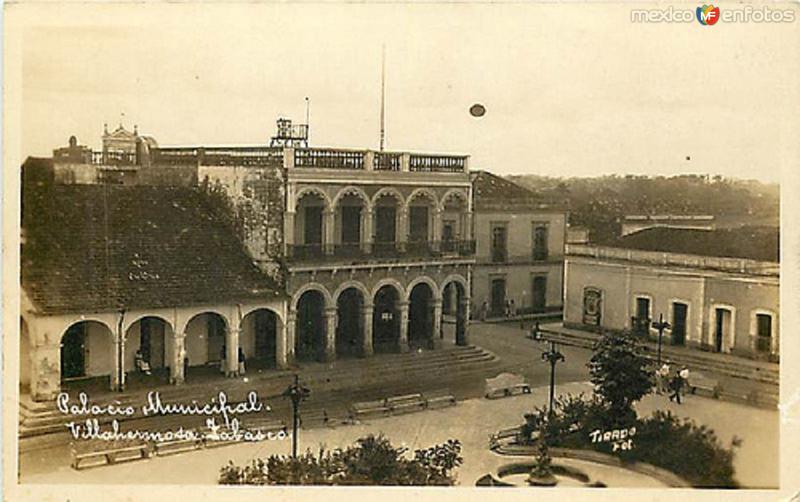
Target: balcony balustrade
{"x": 114, "y": 158}
{"x": 380, "y": 251}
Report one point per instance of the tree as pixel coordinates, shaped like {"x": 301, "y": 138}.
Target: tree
{"x": 371, "y": 461}
{"x": 621, "y": 375}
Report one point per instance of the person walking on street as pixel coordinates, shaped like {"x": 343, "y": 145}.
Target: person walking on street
{"x": 662, "y": 379}
{"x": 676, "y": 385}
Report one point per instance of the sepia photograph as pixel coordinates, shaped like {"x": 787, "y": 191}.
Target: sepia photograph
{"x": 538, "y": 246}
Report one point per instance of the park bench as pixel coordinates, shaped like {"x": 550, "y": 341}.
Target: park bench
{"x": 369, "y": 409}
{"x": 315, "y": 418}
{"x": 505, "y": 385}
{"x": 703, "y": 386}
{"x": 405, "y": 404}
{"x": 502, "y": 434}
{"x": 110, "y": 456}
{"x": 440, "y": 399}
{"x": 162, "y": 448}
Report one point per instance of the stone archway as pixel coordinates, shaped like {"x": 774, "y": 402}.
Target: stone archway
{"x": 311, "y": 337}
{"x": 386, "y": 319}
{"x": 420, "y": 317}
{"x": 455, "y": 309}
{"x": 258, "y": 338}
{"x": 205, "y": 343}
{"x": 87, "y": 350}
{"x": 153, "y": 338}
{"x": 350, "y": 325}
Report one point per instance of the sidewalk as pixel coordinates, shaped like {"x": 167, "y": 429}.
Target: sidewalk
{"x": 471, "y": 421}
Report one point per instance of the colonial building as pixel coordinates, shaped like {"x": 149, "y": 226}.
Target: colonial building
{"x": 180, "y": 257}
{"x": 719, "y": 290}
{"x": 520, "y": 249}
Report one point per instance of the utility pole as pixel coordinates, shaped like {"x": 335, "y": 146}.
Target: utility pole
{"x": 296, "y": 393}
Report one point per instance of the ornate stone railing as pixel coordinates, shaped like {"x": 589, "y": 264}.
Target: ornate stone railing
{"x": 739, "y": 265}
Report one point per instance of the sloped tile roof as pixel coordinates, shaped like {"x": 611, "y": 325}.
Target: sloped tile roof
{"x": 491, "y": 192}
{"x": 755, "y": 243}
{"x": 99, "y": 247}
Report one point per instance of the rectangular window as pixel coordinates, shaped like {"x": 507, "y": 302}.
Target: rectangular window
{"x": 764, "y": 332}
{"x": 499, "y": 243}
{"x": 641, "y": 322}
{"x": 540, "y": 241}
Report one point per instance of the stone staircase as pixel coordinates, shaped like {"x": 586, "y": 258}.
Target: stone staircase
{"x": 334, "y": 386}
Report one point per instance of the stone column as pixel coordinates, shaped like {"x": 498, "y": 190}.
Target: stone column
{"x": 176, "y": 375}
{"x": 232, "y": 352}
{"x": 118, "y": 375}
{"x": 329, "y": 224}
{"x": 467, "y": 230}
{"x": 291, "y": 332}
{"x": 367, "y": 311}
{"x": 402, "y": 229}
{"x": 330, "y": 334}
{"x": 366, "y": 230}
{"x": 402, "y": 308}
{"x": 45, "y": 371}
{"x": 462, "y": 322}
{"x": 437, "y": 229}
{"x": 288, "y": 231}
{"x": 436, "y": 304}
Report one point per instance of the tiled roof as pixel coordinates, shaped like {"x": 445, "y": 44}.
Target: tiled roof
{"x": 491, "y": 192}
{"x": 755, "y": 243}
{"x": 99, "y": 247}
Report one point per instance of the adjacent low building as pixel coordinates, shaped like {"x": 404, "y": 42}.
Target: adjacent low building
{"x": 520, "y": 250}
{"x": 719, "y": 290}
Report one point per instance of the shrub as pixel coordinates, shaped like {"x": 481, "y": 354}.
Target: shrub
{"x": 371, "y": 461}
{"x": 621, "y": 376}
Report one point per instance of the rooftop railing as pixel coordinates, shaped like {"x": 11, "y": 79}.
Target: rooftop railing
{"x": 354, "y": 252}
{"x": 739, "y": 265}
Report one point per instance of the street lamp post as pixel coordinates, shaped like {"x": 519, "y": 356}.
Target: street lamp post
{"x": 552, "y": 356}
{"x": 296, "y": 393}
{"x": 660, "y": 325}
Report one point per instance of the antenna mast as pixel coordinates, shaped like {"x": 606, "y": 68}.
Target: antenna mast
{"x": 383, "y": 95}
{"x": 308, "y": 124}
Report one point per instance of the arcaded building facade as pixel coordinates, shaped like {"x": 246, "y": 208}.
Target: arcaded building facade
{"x": 185, "y": 257}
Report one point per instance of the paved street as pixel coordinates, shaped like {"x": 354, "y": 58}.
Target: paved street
{"x": 471, "y": 421}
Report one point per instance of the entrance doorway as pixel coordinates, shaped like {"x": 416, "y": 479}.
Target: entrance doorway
{"x": 73, "y": 352}
{"x": 498, "y": 297}
{"x": 539, "y": 296}
{"x": 680, "y": 312}
{"x": 722, "y": 326}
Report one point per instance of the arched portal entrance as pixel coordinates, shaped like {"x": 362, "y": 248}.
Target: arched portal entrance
{"x": 420, "y": 317}
{"x": 259, "y": 338}
{"x": 152, "y": 338}
{"x": 385, "y": 222}
{"x": 205, "y": 341}
{"x": 349, "y": 221}
{"x": 349, "y": 328}
{"x": 310, "y": 341}
{"x": 87, "y": 350}
{"x": 386, "y": 320}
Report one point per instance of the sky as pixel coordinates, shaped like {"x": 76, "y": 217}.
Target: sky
{"x": 569, "y": 89}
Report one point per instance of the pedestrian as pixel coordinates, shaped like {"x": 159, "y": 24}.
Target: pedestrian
{"x": 508, "y": 309}
{"x": 513, "y": 309}
{"x": 676, "y": 385}
{"x": 684, "y": 374}
{"x": 662, "y": 379}
{"x": 222, "y": 360}
{"x": 484, "y": 310}
{"x": 241, "y": 361}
